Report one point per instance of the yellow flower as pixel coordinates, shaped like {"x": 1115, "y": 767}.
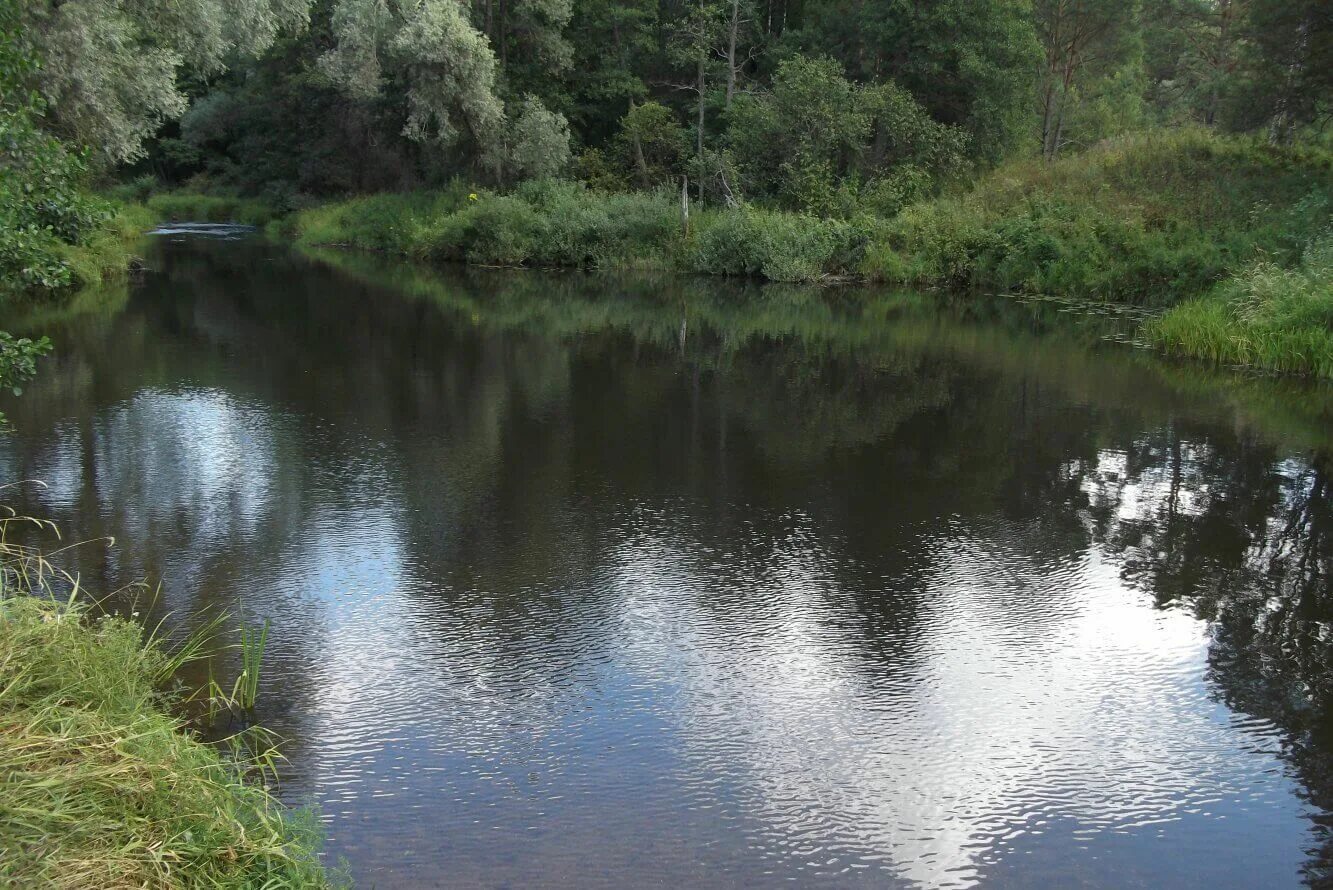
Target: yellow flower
{"x": 472, "y": 197}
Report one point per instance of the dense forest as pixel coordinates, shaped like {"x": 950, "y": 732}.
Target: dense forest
{"x": 1134, "y": 151}
{"x": 815, "y": 105}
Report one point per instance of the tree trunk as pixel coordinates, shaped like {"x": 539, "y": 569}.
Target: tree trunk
{"x": 731, "y": 49}
{"x": 1221, "y": 60}
{"x": 685, "y": 205}
{"x": 1047, "y": 112}
{"x": 640, "y": 162}
{"x": 702, "y": 87}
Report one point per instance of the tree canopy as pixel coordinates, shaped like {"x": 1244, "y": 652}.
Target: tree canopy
{"x": 804, "y": 104}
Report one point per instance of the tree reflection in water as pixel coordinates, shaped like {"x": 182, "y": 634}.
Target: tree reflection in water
{"x": 479, "y": 439}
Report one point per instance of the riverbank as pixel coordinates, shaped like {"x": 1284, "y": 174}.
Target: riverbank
{"x": 102, "y": 251}
{"x": 1173, "y": 221}
{"x": 103, "y": 787}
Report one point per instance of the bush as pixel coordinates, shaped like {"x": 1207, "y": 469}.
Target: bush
{"x": 779, "y": 246}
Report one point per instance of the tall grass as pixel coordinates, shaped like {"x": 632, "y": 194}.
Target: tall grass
{"x": 1266, "y": 317}
{"x": 102, "y": 787}
{"x": 566, "y": 225}
{"x": 1150, "y": 219}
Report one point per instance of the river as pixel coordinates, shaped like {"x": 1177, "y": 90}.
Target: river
{"x": 617, "y": 581}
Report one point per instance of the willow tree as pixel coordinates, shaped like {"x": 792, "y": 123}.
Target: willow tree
{"x": 110, "y": 69}
{"x": 446, "y": 65}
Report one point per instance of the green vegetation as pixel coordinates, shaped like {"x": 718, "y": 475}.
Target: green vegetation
{"x": 18, "y": 362}
{"x": 1146, "y": 219}
{"x": 53, "y": 233}
{"x": 103, "y": 788}
{"x": 1268, "y": 316}
{"x": 191, "y": 207}
{"x": 562, "y": 224}
{"x": 1100, "y": 149}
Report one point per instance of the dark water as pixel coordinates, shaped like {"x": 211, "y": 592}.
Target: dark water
{"x": 592, "y": 582}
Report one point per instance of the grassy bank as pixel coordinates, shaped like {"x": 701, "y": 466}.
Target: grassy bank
{"x": 36, "y": 262}
{"x": 1268, "y": 317}
{"x": 107, "y": 252}
{"x": 565, "y": 225}
{"x": 1151, "y": 220}
{"x": 102, "y": 787}
{"x": 195, "y": 207}
{"x": 1213, "y": 226}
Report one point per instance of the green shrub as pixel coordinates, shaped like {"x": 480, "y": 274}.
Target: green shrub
{"x": 778, "y": 246}
{"x": 135, "y": 191}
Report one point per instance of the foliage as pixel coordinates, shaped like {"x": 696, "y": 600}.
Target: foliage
{"x": 18, "y": 363}
{"x": 652, "y": 143}
{"x": 970, "y": 63}
{"x": 1092, "y": 49}
{"x": 1150, "y": 220}
{"x": 539, "y": 141}
{"x": 817, "y": 134}
{"x": 111, "y": 67}
{"x": 186, "y": 206}
{"x": 774, "y": 245}
{"x": 42, "y": 203}
{"x": 447, "y": 67}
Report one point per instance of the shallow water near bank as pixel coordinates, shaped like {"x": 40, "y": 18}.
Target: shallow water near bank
{"x": 599, "y": 581}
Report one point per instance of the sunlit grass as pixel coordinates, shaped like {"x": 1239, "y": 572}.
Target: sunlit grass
{"x": 102, "y": 786}
{"x": 1151, "y": 219}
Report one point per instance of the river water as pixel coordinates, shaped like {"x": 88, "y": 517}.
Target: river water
{"x": 598, "y": 581}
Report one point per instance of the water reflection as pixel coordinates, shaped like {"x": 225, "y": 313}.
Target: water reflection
{"x": 589, "y": 581}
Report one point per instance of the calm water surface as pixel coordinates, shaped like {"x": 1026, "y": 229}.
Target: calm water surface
{"x": 592, "y": 582}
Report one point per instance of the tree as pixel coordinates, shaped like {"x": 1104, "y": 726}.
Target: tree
{"x": 796, "y": 142}
{"x": 740, "y": 22}
{"x": 615, "y": 46}
{"x": 529, "y": 36}
{"x": 1289, "y": 57}
{"x": 446, "y": 67}
{"x": 1088, "y": 44}
{"x": 43, "y": 205}
{"x": 111, "y": 68}
{"x": 539, "y": 141}
{"x": 817, "y": 133}
{"x": 970, "y": 63}
{"x": 654, "y": 140}
{"x": 692, "y": 46}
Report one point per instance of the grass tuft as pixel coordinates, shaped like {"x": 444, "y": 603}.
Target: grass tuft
{"x": 1266, "y": 317}
{"x": 102, "y": 787}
